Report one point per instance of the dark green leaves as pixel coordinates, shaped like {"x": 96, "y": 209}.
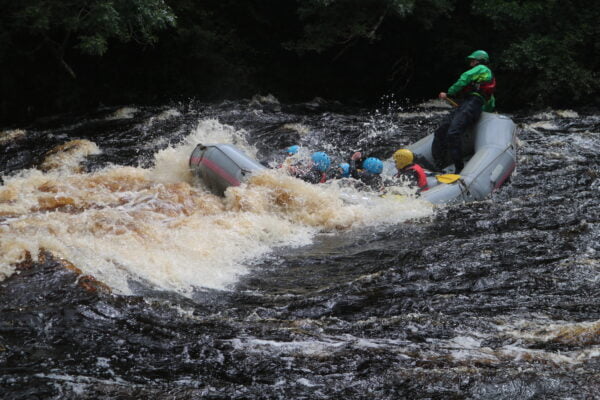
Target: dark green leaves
{"x": 550, "y": 47}
{"x": 91, "y": 24}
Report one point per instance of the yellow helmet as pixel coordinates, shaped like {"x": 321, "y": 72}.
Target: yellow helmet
{"x": 403, "y": 157}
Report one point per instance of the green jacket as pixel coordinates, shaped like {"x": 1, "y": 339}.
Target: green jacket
{"x": 477, "y": 74}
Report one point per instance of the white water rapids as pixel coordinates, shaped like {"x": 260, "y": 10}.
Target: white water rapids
{"x": 160, "y": 227}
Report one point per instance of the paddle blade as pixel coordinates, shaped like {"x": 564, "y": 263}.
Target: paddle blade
{"x": 447, "y": 178}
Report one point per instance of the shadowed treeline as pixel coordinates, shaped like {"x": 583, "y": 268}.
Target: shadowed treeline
{"x": 69, "y": 55}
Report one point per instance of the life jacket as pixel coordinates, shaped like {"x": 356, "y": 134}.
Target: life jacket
{"x": 421, "y": 175}
{"x": 484, "y": 89}
{"x": 487, "y": 89}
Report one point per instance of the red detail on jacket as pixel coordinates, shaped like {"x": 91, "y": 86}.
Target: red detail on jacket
{"x": 421, "y": 175}
{"x": 487, "y": 89}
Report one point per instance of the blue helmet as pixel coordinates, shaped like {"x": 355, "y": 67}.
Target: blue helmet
{"x": 345, "y": 167}
{"x": 321, "y": 161}
{"x": 292, "y": 149}
{"x": 373, "y": 165}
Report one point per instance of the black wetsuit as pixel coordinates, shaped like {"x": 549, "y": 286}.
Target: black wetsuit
{"x": 374, "y": 181}
{"x": 335, "y": 173}
{"x": 447, "y": 142}
{"x": 311, "y": 176}
{"x": 410, "y": 176}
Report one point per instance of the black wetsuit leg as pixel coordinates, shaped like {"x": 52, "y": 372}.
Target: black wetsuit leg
{"x": 467, "y": 114}
{"x": 439, "y": 147}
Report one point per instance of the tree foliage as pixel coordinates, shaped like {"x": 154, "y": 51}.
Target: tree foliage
{"x": 87, "y": 25}
{"x": 328, "y": 23}
{"x": 549, "y": 48}
{"x": 544, "y": 52}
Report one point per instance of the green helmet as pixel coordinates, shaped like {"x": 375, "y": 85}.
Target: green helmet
{"x": 479, "y": 55}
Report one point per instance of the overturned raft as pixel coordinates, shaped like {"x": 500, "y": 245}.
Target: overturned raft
{"x": 491, "y": 146}
{"x": 221, "y": 166}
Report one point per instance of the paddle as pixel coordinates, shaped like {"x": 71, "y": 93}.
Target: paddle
{"x": 451, "y": 102}
{"x": 447, "y": 178}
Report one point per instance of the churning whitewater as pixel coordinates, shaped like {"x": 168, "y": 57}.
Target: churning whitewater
{"x": 123, "y": 277}
{"x": 158, "y": 227}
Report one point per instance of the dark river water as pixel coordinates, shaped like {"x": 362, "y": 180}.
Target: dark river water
{"x": 122, "y": 277}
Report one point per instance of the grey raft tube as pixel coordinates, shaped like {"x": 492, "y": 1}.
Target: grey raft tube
{"x": 221, "y": 166}
{"x": 493, "y": 143}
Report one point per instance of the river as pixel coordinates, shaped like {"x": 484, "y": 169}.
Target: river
{"x": 121, "y": 276}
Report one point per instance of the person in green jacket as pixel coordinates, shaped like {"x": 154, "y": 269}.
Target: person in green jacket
{"x": 476, "y": 88}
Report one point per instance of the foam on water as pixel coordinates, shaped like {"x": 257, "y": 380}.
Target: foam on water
{"x": 123, "y": 113}
{"x": 544, "y": 330}
{"x": 421, "y": 114}
{"x": 310, "y": 348}
{"x": 546, "y": 125}
{"x": 11, "y": 134}
{"x": 159, "y": 227}
{"x": 69, "y": 155}
{"x": 567, "y": 113}
{"x": 167, "y": 114}
{"x": 301, "y": 129}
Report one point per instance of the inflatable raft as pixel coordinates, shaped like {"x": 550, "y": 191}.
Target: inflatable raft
{"x": 221, "y": 166}
{"x": 491, "y": 146}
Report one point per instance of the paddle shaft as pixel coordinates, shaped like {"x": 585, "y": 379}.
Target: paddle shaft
{"x": 451, "y": 102}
